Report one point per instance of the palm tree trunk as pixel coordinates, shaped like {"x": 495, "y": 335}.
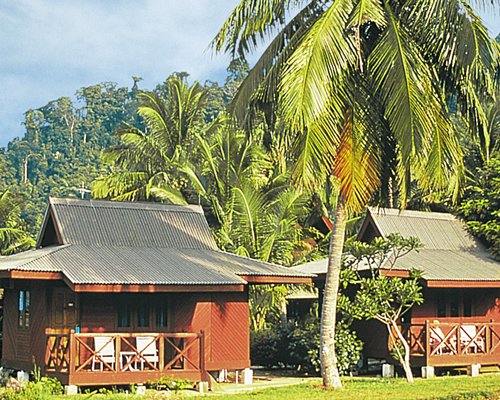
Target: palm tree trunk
{"x": 329, "y": 369}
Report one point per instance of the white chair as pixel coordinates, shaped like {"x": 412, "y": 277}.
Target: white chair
{"x": 437, "y": 339}
{"x": 146, "y": 347}
{"x": 104, "y": 352}
{"x": 468, "y": 339}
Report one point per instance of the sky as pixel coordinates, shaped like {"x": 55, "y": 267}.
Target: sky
{"x": 51, "y": 48}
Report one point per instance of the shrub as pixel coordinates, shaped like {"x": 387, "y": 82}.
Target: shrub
{"x": 296, "y": 345}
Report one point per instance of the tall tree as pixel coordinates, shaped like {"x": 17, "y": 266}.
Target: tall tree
{"x": 361, "y": 81}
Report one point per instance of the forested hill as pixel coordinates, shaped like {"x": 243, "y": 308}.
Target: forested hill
{"x": 59, "y": 154}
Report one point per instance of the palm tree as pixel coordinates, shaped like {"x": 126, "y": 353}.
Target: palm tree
{"x": 363, "y": 84}
{"x": 144, "y": 163}
{"x": 13, "y": 237}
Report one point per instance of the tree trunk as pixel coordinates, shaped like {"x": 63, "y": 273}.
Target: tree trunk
{"x": 404, "y": 359}
{"x": 329, "y": 369}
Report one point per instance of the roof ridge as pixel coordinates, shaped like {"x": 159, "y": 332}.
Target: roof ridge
{"x": 143, "y": 205}
{"x": 381, "y": 211}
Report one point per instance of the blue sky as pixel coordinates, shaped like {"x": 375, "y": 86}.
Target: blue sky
{"x": 51, "y": 48}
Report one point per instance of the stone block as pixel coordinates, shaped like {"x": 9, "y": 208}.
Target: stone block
{"x": 428, "y": 372}
{"x": 388, "y": 370}
{"x": 202, "y": 387}
{"x": 473, "y": 370}
{"x": 70, "y": 389}
{"x": 247, "y": 376}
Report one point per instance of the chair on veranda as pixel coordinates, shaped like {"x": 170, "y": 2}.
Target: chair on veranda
{"x": 146, "y": 347}
{"x": 104, "y": 352}
{"x": 467, "y": 338}
{"x": 437, "y": 338}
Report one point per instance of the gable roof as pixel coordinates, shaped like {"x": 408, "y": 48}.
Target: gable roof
{"x": 113, "y": 223}
{"x": 451, "y": 257}
{"x": 108, "y": 243}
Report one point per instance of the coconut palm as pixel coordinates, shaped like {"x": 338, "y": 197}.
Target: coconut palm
{"x": 145, "y": 161}
{"x": 363, "y": 83}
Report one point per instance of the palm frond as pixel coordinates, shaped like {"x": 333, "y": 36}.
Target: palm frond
{"x": 408, "y": 94}
{"x": 262, "y": 80}
{"x": 314, "y": 75}
{"x": 249, "y": 21}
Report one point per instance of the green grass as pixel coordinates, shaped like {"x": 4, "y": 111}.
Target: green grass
{"x": 442, "y": 388}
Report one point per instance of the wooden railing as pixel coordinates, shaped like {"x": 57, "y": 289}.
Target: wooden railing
{"x": 75, "y": 353}
{"x": 453, "y": 343}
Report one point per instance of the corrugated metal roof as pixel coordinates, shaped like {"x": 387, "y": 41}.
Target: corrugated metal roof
{"x": 112, "y": 223}
{"x": 449, "y": 252}
{"x": 313, "y": 267}
{"x": 451, "y": 265}
{"x": 140, "y": 265}
{"x": 435, "y": 230}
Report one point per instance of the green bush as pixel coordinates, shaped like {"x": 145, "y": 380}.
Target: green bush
{"x": 296, "y": 345}
{"x": 40, "y": 389}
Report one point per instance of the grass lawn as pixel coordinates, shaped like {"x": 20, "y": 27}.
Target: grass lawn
{"x": 456, "y": 387}
{"x": 443, "y": 388}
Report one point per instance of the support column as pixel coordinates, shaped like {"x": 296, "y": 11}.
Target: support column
{"x": 387, "y": 370}
{"x": 428, "y": 372}
{"x": 70, "y": 389}
{"x": 473, "y": 370}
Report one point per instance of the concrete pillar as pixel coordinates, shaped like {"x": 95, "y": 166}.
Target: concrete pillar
{"x": 428, "y": 372}
{"x": 473, "y": 370}
{"x": 202, "y": 387}
{"x": 70, "y": 389}
{"x": 222, "y": 376}
{"x": 247, "y": 376}
{"x": 388, "y": 370}
{"x": 23, "y": 376}
{"x": 140, "y": 390}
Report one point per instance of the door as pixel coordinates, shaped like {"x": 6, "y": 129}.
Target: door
{"x": 64, "y": 309}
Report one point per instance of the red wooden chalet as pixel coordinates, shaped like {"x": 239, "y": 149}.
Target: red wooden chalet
{"x": 459, "y": 322}
{"x": 120, "y": 293}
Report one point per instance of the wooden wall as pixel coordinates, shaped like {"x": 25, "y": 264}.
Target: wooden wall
{"x": 224, "y": 318}
{"x": 23, "y": 346}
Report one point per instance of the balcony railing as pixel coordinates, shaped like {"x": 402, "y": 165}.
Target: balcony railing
{"x": 146, "y": 354}
{"x": 453, "y": 343}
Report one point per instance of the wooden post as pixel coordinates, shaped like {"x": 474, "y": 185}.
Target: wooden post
{"x": 427, "y": 341}
{"x": 202, "y": 351}
{"x": 488, "y": 339}
{"x": 161, "y": 360}
{"x": 118, "y": 356}
{"x": 72, "y": 354}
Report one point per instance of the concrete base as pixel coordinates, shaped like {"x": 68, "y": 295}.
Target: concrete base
{"x": 388, "y": 370}
{"x": 22, "y": 376}
{"x": 140, "y": 390}
{"x": 428, "y": 372}
{"x": 247, "y": 376}
{"x": 473, "y": 370}
{"x": 70, "y": 389}
{"x": 222, "y": 375}
{"x": 202, "y": 387}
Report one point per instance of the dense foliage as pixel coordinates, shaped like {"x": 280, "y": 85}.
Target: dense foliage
{"x": 296, "y": 345}
{"x": 481, "y": 205}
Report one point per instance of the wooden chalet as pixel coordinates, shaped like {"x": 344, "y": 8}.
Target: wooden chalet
{"x": 459, "y": 322}
{"x": 120, "y": 293}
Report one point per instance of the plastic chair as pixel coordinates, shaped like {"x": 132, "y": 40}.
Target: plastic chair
{"x": 104, "y": 352}
{"x": 146, "y": 347}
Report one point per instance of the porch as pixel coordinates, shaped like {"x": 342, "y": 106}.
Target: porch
{"x": 87, "y": 359}
{"x": 450, "y": 344}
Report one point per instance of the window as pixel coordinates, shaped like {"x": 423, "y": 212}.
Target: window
{"x": 143, "y": 316}
{"x": 124, "y": 316}
{"x": 161, "y": 316}
{"x": 24, "y": 308}
{"x": 441, "y": 307}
